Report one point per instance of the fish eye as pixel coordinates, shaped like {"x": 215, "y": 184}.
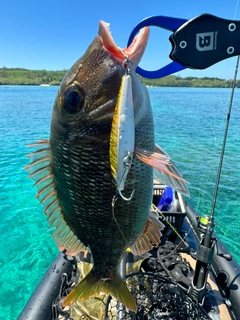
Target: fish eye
{"x": 72, "y": 99}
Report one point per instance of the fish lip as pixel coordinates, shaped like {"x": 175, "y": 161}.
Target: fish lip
{"x": 134, "y": 52}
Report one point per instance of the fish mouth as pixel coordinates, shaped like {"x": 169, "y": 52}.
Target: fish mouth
{"x": 134, "y": 52}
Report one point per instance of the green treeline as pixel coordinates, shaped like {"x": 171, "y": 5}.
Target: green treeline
{"x": 20, "y": 76}
{"x": 175, "y": 81}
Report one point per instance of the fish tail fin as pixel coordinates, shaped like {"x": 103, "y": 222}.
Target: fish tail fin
{"x": 92, "y": 285}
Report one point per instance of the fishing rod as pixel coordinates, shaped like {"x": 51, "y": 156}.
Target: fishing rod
{"x": 206, "y": 223}
{"x": 211, "y": 217}
{"x": 224, "y": 140}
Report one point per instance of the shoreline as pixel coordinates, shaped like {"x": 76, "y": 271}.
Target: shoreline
{"x": 148, "y": 86}
{"x": 25, "y": 77}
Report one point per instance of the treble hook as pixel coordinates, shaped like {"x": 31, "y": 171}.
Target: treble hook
{"x": 127, "y": 164}
{"x": 124, "y": 198}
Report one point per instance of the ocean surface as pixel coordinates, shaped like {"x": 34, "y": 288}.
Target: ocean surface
{"x": 189, "y": 125}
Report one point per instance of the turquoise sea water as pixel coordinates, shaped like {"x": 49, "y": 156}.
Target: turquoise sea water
{"x": 189, "y": 125}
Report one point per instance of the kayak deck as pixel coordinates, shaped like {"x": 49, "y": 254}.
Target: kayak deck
{"x": 223, "y": 310}
{"x": 160, "y": 280}
{"x": 159, "y": 284}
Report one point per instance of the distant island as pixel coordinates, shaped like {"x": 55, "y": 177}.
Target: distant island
{"x": 20, "y": 76}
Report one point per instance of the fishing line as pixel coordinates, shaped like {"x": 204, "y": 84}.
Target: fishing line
{"x": 207, "y": 157}
{"x": 226, "y": 129}
{"x": 235, "y": 12}
{"x": 224, "y": 139}
{"x": 114, "y": 199}
{"x": 172, "y": 227}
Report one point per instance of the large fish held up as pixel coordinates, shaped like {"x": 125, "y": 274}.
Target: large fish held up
{"x": 74, "y": 176}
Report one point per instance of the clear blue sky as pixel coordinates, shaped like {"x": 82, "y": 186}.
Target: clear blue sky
{"x": 53, "y": 34}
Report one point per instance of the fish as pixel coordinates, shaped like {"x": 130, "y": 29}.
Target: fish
{"x": 72, "y": 170}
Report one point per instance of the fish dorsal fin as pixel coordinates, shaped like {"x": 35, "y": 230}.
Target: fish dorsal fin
{"x": 165, "y": 170}
{"x": 151, "y": 235}
{"x": 40, "y": 169}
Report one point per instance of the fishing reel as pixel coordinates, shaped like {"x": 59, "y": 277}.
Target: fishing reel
{"x": 203, "y": 223}
{"x": 206, "y": 223}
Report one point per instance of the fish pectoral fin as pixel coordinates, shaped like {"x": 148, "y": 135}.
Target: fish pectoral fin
{"x": 165, "y": 170}
{"x": 92, "y": 285}
{"x": 151, "y": 236}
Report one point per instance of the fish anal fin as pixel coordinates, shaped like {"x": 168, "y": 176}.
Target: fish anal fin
{"x": 92, "y": 285}
{"x": 40, "y": 169}
{"x": 151, "y": 236}
{"x": 64, "y": 236}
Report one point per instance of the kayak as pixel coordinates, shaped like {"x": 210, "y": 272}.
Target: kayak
{"x": 182, "y": 278}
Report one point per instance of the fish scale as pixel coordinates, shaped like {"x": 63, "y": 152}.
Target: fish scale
{"x": 105, "y": 191}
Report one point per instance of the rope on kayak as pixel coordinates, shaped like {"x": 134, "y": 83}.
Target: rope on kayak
{"x": 170, "y": 225}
